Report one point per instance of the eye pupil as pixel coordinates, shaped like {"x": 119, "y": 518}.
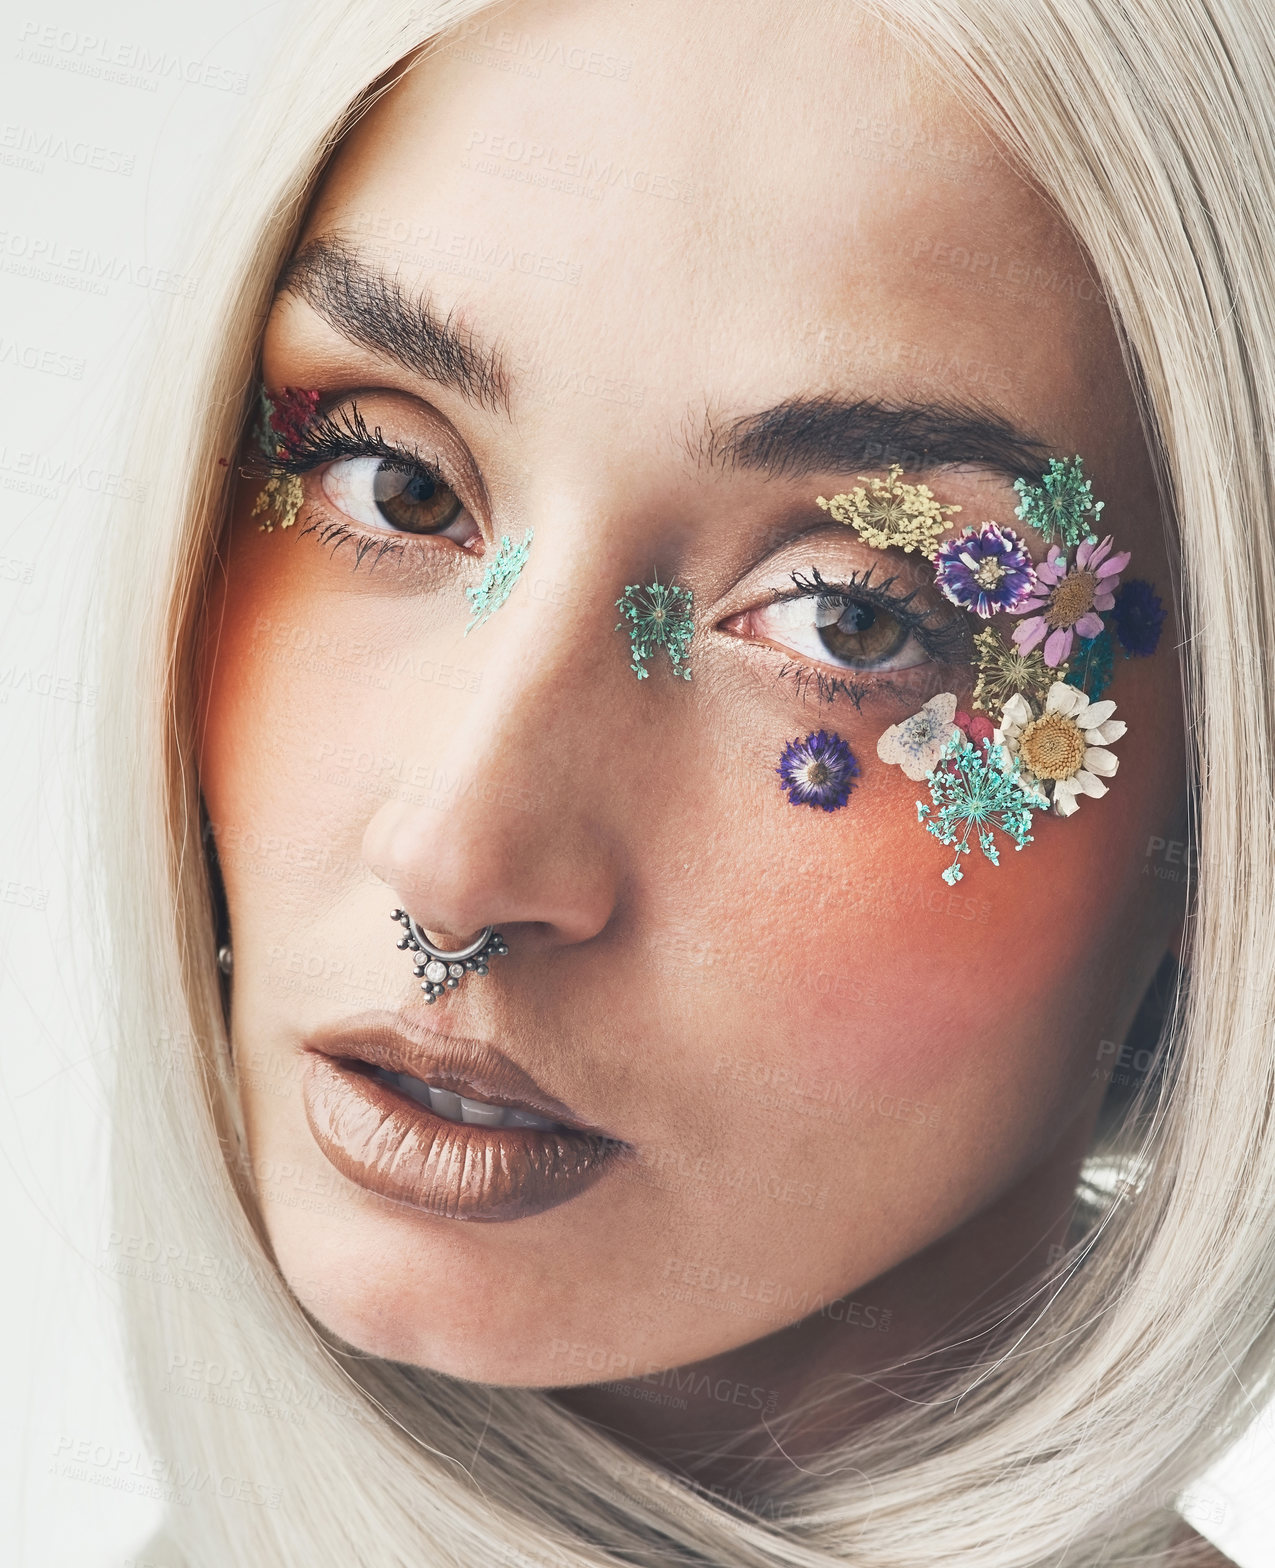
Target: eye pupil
{"x": 857, "y": 632}
{"x": 413, "y": 502}
{"x": 420, "y": 488}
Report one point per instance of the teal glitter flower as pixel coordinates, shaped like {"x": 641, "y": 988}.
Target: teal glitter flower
{"x": 975, "y": 789}
{"x": 1090, "y": 666}
{"x": 659, "y": 616}
{"x": 499, "y": 580}
{"x": 1057, "y": 507}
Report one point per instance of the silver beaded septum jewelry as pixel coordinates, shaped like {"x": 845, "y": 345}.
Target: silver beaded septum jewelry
{"x": 439, "y": 970}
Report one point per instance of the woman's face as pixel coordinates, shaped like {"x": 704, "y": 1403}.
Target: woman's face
{"x": 642, "y": 295}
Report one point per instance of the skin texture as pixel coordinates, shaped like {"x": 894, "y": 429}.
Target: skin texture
{"x": 840, "y": 1081}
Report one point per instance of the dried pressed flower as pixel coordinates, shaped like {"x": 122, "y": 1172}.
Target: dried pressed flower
{"x": 975, "y": 790}
{"x": 987, "y": 570}
{"x": 499, "y": 580}
{"x": 1067, "y": 599}
{"x": 282, "y": 421}
{"x": 976, "y": 727}
{"x": 915, "y": 744}
{"x": 659, "y": 616}
{"x": 890, "y": 514}
{"x": 818, "y": 771}
{"x": 1062, "y": 506}
{"x": 1004, "y": 670}
{"x": 1138, "y": 616}
{"x": 1090, "y": 667}
{"x": 1063, "y": 750}
{"x": 279, "y": 500}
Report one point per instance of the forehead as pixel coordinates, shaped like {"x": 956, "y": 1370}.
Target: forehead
{"x": 764, "y": 199}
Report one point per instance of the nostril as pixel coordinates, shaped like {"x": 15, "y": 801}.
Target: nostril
{"x": 448, "y": 939}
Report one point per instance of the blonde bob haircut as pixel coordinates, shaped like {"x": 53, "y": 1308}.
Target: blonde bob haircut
{"x": 1145, "y": 1351}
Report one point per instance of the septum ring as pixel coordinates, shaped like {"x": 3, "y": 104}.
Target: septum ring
{"x": 436, "y": 968}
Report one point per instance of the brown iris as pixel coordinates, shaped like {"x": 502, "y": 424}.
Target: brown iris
{"x": 858, "y": 633}
{"x": 413, "y": 501}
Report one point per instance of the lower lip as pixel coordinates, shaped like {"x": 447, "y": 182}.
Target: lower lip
{"x": 399, "y": 1149}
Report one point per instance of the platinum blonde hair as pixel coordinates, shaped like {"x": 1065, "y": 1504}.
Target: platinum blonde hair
{"x": 1149, "y": 124}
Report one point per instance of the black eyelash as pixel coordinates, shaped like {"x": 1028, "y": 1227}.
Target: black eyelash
{"x": 947, "y": 642}
{"x": 337, "y": 534}
{"x": 827, "y": 687}
{"x": 343, "y": 432}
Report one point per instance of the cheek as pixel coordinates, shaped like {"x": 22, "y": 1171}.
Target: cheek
{"x": 863, "y": 968}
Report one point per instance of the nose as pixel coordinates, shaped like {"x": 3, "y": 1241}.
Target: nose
{"x": 523, "y": 826}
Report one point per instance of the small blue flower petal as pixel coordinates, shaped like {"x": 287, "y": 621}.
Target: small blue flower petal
{"x": 818, "y": 771}
{"x": 1138, "y": 616}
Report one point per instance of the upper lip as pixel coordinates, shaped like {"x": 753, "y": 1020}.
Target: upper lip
{"x": 469, "y": 1067}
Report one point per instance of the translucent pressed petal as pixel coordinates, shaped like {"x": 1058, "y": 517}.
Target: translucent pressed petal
{"x": 1029, "y": 632}
{"x": 1100, "y": 761}
{"x": 1103, "y": 599}
{"x": 1016, "y": 712}
{"x": 915, "y": 768}
{"x": 1034, "y": 600}
{"x": 1098, "y": 713}
{"x": 1064, "y": 798}
{"x": 1115, "y": 564}
{"x": 1089, "y": 625}
{"x": 1061, "y": 698}
{"x": 1089, "y": 783}
{"x": 1105, "y": 733}
{"x": 1057, "y": 646}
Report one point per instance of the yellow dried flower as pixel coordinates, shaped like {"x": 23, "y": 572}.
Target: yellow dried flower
{"x": 890, "y": 514}
{"x": 280, "y": 499}
{"x": 1003, "y": 672}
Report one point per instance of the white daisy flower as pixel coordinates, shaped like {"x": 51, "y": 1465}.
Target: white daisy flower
{"x": 915, "y": 744}
{"x": 1063, "y": 751}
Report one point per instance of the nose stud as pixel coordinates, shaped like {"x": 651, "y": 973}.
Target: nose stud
{"x": 436, "y": 968}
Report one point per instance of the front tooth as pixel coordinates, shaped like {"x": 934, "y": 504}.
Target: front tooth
{"x": 476, "y": 1113}
{"x": 413, "y": 1088}
{"x": 445, "y": 1103}
{"x": 529, "y": 1119}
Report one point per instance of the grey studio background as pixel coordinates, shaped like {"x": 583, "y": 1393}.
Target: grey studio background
{"x": 111, "y": 116}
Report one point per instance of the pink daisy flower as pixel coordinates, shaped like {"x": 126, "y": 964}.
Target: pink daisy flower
{"x": 1066, "y": 603}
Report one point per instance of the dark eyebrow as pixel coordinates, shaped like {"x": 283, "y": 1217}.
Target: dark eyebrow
{"x": 808, "y": 435}
{"x": 371, "y": 308}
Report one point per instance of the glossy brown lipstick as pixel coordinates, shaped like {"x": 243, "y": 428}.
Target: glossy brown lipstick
{"x": 384, "y": 1102}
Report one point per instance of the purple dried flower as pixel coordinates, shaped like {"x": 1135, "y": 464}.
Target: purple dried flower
{"x": 818, "y": 771}
{"x": 1066, "y": 601}
{"x": 987, "y": 570}
{"x": 1138, "y": 616}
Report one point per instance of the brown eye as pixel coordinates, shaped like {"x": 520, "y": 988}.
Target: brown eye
{"x": 848, "y": 633}
{"x": 858, "y": 633}
{"x": 392, "y": 497}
